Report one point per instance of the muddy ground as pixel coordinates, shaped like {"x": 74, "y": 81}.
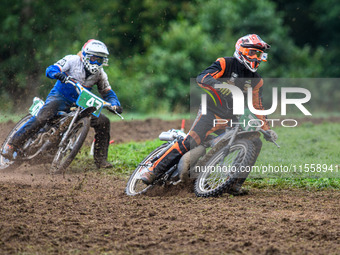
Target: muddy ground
{"x": 122, "y": 131}
{"x": 88, "y": 213}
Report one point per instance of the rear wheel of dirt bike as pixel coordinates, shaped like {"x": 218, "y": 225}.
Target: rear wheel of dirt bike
{"x": 6, "y": 163}
{"x": 219, "y": 173}
{"x": 135, "y": 185}
{"x": 65, "y": 154}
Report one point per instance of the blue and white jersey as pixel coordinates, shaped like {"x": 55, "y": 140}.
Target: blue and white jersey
{"x": 72, "y": 65}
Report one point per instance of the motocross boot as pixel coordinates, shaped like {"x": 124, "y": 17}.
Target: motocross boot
{"x": 9, "y": 152}
{"x": 237, "y": 190}
{"x": 149, "y": 176}
{"x": 103, "y": 164}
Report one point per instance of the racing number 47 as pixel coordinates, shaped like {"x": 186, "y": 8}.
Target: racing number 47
{"x": 94, "y": 102}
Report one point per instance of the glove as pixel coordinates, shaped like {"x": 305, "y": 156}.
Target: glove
{"x": 272, "y": 136}
{"x": 117, "y": 108}
{"x": 61, "y": 77}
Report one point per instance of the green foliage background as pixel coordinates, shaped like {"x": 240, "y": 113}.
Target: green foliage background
{"x": 156, "y": 46}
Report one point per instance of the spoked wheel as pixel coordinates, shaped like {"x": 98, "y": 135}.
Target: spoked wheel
{"x": 222, "y": 172}
{"x": 135, "y": 185}
{"x": 66, "y": 153}
{"x": 6, "y": 163}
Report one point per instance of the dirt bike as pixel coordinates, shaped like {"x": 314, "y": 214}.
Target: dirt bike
{"x": 59, "y": 141}
{"x": 220, "y": 164}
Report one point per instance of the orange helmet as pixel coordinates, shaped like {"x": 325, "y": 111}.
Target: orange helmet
{"x": 249, "y": 50}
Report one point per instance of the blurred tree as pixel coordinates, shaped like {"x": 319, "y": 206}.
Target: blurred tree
{"x": 168, "y": 65}
{"x": 131, "y": 26}
{"x": 328, "y": 25}
{"x": 315, "y": 24}
{"x": 297, "y": 17}
{"x": 36, "y": 33}
{"x": 31, "y": 39}
{"x": 193, "y": 42}
{"x": 156, "y": 46}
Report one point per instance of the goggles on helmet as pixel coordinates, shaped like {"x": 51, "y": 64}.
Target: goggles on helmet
{"x": 97, "y": 60}
{"x": 254, "y": 54}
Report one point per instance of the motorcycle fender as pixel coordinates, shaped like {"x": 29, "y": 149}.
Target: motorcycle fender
{"x": 86, "y": 112}
{"x": 248, "y": 135}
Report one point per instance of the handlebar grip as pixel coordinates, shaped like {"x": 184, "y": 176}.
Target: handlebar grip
{"x": 269, "y": 137}
{"x": 111, "y": 109}
{"x": 70, "y": 79}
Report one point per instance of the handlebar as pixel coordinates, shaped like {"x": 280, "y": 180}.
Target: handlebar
{"x": 79, "y": 88}
{"x": 73, "y": 82}
{"x": 268, "y": 137}
{"x": 111, "y": 109}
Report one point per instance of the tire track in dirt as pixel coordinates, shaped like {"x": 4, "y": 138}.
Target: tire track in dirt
{"x": 89, "y": 214}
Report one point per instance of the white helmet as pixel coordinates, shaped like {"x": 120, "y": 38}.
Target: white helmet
{"x": 94, "y": 55}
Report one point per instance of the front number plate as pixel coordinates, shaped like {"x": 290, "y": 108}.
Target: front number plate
{"x": 87, "y": 99}
{"x": 251, "y": 122}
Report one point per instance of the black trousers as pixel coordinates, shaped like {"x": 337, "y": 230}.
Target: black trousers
{"x": 101, "y": 127}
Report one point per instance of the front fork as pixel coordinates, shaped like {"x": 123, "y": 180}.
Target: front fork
{"x": 231, "y": 141}
{"x": 63, "y": 140}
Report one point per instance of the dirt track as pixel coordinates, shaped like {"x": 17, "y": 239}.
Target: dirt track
{"x": 89, "y": 214}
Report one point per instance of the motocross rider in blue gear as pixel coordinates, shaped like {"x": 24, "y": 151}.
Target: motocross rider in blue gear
{"x": 87, "y": 68}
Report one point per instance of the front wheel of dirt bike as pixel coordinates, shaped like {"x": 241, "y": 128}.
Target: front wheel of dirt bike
{"x": 66, "y": 153}
{"x": 6, "y": 163}
{"x": 135, "y": 185}
{"x": 221, "y": 173}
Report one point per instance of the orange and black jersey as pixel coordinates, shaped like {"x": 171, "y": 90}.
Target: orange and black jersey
{"x": 230, "y": 70}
